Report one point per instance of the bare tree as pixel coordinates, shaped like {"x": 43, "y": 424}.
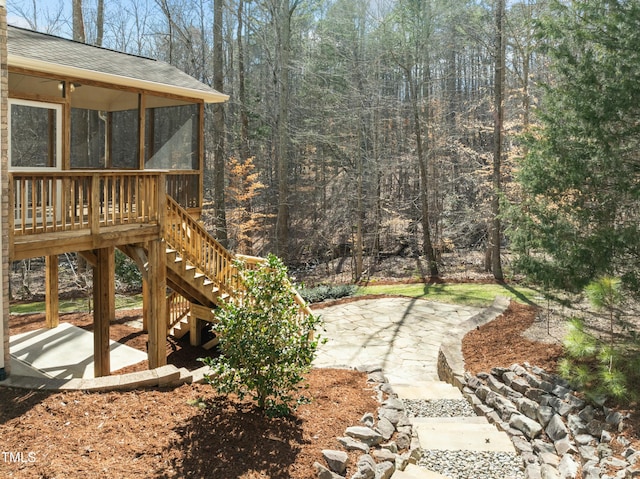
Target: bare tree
{"x": 78, "y": 21}
{"x": 219, "y": 127}
{"x": 494, "y": 249}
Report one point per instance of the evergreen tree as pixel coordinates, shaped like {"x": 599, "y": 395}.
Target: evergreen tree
{"x": 578, "y": 217}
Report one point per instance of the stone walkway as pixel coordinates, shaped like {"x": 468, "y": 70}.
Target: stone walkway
{"x": 403, "y": 335}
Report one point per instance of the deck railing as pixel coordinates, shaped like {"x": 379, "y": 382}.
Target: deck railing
{"x": 74, "y": 200}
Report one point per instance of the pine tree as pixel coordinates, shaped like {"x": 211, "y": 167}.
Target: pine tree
{"x": 578, "y": 217}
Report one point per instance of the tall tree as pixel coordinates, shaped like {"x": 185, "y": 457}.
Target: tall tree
{"x": 219, "y": 127}
{"x": 494, "y": 263}
{"x": 578, "y": 217}
{"x": 282, "y": 11}
{"x": 415, "y": 27}
{"x": 78, "y": 21}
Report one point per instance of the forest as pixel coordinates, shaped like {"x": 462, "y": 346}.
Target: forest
{"x": 371, "y": 128}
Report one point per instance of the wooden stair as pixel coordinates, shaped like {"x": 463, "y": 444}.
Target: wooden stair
{"x": 199, "y": 269}
{"x": 190, "y": 282}
{"x": 181, "y": 328}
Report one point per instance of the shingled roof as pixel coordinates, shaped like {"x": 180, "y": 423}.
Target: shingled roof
{"x": 55, "y": 55}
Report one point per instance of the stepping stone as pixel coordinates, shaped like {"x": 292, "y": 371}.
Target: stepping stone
{"x": 414, "y": 472}
{"x": 461, "y": 435}
{"x": 427, "y": 390}
{"x": 453, "y": 419}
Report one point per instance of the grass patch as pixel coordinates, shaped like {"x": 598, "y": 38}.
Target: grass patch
{"x": 78, "y": 305}
{"x": 470, "y": 294}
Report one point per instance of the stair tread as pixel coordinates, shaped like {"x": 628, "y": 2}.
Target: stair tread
{"x": 451, "y": 436}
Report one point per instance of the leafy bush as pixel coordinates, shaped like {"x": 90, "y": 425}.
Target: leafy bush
{"x": 325, "y": 291}
{"x": 127, "y": 272}
{"x": 266, "y": 345}
{"x": 602, "y": 367}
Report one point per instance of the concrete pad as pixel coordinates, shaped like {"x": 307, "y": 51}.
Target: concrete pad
{"x": 66, "y": 352}
{"x": 415, "y": 472}
{"x": 436, "y": 434}
{"x": 19, "y": 368}
{"x": 427, "y": 390}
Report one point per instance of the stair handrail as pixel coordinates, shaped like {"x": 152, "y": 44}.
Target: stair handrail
{"x": 178, "y": 308}
{"x": 255, "y": 261}
{"x": 183, "y": 233}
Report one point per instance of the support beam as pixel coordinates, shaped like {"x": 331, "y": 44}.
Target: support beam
{"x": 104, "y": 308}
{"x": 157, "y": 309}
{"x": 195, "y": 330}
{"x": 52, "y": 313}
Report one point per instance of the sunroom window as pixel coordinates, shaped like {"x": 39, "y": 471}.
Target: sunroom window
{"x": 171, "y": 141}
{"x": 36, "y": 138}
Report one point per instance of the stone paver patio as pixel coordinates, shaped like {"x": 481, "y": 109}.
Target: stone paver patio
{"x": 403, "y": 335}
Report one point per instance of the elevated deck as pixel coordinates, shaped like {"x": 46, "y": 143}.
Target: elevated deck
{"x": 94, "y": 212}
{"x": 81, "y": 211}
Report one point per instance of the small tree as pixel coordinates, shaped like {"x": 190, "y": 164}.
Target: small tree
{"x": 602, "y": 368}
{"x": 266, "y": 344}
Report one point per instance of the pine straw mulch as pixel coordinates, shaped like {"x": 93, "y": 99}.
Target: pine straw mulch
{"x": 190, "y": 431}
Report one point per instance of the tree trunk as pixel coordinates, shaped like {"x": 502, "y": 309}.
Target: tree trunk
{"x": 423, "y": 165}
{"x": 495, "y": 234}
{"x": 100, "y": 23}
{"x": 78, "y": 21}
{"x": 242, "y": 95}
{"x": 219, "y": 129}
{"x": 283, "y": 54}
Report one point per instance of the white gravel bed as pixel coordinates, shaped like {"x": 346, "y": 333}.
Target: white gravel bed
{"x": 438, "y": 408}
{"x": 473, "y": 464}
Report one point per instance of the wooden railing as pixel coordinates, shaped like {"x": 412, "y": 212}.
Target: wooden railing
{"x": 254, "y": 262}
{"x": 177, "y": 308}
{"x": 74, "y": 200}
{"x": 184, "y": 234}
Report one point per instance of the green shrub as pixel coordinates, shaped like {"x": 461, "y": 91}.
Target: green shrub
{"x": 325, "y": 291}
{"x": 127, "y": 272}
{"x": 266, "y": 345}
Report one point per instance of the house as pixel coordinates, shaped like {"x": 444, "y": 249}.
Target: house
{"x": 105, "y": 150}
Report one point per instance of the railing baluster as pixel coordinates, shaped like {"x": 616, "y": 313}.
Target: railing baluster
{"x": 65, "y": 201}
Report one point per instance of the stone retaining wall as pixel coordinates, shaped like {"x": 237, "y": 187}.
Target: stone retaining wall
{"x": 557, "y": 433}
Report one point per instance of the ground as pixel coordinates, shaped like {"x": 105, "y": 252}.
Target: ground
{"x": 192, "y": 432}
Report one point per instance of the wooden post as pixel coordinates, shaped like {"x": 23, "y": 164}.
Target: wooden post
{"x": 157, "y": 310}
{"x": 51, "y": 292}
{"x": 145, "y": 303}
{"x": 195, "y": 330}
{"x": 104, "y": 305}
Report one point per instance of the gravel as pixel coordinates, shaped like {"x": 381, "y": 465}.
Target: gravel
{"x": 473, "y": 464}
{"x": 439, "y": 408}
{"x": 462, "y": 464}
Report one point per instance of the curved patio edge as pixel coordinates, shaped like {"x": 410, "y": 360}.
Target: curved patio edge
{"x": 450, "y": 359}
{"x": 164, "y": 376}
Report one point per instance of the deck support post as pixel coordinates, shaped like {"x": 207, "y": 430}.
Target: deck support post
{"x": 157, "y": 308}
{"x": 52, "y": 314}
{"x": 145, "y": 304}
{"x": 104, "y": 308}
